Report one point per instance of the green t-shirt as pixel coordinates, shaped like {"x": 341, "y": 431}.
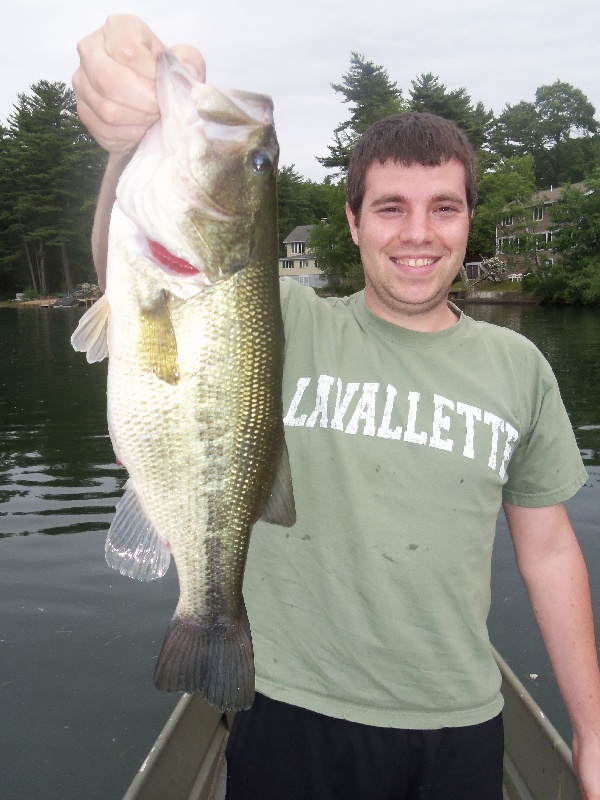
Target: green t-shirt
{"x": 402, "y": 446}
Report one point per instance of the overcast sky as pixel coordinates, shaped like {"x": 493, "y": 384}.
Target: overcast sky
{"x": 500, "y": 52}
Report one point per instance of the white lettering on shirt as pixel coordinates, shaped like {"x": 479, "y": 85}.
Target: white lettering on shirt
{"x": 341, "y": 405}
{"x": 497, "y": 426}
{"x": 325, "y": 384}
{"x": 385, "y": 432}
{"x": 441, "y": 422}
{"x": 363, "y": 404}
{"x": 513, "y": 435}
{"x": 409, "y": 433}
{"x": 290, "y": 418}
{"x": 471, "y": 413}
{"x": 365, "y": 410}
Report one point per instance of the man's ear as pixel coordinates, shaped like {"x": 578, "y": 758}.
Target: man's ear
{"x": 353, "y": 224}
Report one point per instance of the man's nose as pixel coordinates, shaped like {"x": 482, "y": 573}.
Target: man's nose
{"x": 417, "y": 227}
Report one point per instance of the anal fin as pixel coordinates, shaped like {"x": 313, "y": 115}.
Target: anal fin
{"x": 133, "y": 547}
{"x": 281, "y": 508}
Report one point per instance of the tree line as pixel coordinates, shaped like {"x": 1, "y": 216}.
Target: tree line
{"x": 51, "y": 169}
{"x": 50, "y": 173}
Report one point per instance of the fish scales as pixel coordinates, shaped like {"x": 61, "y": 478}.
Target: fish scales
{"x": 195, "y": 345}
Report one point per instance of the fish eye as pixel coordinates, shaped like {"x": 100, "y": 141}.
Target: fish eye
{"x": 260, "y": 162}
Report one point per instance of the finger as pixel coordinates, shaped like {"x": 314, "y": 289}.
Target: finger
{"x": 113, "y": 138}
{"x": 131, "y": 43}
{"x": 118, "y": 62}
{"x": 113, "y": 91}
{"x": 192, "y": 59}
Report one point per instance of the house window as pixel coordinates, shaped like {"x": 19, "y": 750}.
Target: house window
{"x": 288, "y": 264}
{"x": 538, "y": 214}
{"x": 297, "y": 247}
{"x": 506, "y": 223}
{"x": 543, "y": 239}
{"x": 303, "y": 263}
{"x": 472, "y": 270}
{"x": 503, "y": 242}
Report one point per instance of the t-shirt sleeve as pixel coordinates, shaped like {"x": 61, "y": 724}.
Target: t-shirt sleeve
{"x": 546, "y": 467}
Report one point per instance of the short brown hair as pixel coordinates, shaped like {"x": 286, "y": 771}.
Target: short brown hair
{"x": 412, "y": 138}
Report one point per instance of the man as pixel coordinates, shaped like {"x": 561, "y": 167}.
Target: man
{"x": 408, "y": 424}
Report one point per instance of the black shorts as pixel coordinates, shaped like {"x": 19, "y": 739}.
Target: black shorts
{"x": 281, "y": 752}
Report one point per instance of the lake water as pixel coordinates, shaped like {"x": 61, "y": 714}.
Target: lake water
{"x": 78, "y": 642}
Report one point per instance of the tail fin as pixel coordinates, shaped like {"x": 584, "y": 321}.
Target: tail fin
{"x": 213, "y": 659}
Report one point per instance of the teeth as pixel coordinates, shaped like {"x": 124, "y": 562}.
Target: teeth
{"x": 416, "y": 262}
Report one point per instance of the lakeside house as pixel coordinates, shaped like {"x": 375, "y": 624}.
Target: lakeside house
{"x": 536, "y": 225}
{"x": 299, "y": 262}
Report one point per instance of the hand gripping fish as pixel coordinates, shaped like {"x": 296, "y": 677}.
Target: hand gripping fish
{"x": 192, "y": 326}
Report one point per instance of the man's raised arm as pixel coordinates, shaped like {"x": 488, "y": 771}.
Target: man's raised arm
{"x": 115, "y": 87}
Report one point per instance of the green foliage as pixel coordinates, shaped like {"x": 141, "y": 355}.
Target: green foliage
{"x": 332, "y": 244}
{"x": 575, "y": 277}
{"x": 428, "y": 94}
{"x": 562, "y": 109}
{"x": 372, "y": 96}
{"x": 510, "y": 185}
{"x": 50, "y": 172}
{"x": 299, "y": 201}
{"x": 556, "y": 130}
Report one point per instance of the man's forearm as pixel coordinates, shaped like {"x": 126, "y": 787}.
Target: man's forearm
{"x": 106, "y": 198}
{"x": 559, "y": 591}
{"x": 555, "y": 574}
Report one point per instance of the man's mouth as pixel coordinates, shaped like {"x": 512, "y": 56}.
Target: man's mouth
{"x": 414, "y": 262}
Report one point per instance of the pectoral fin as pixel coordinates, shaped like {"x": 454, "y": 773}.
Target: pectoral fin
{"x": 133, "y": 547}
{"x": 158, "y": 345}
{"x": 91, "y": 335}
{"x": 280, "y": 508}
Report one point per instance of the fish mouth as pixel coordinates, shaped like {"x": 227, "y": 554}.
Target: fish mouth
{"x": 170, "y": 262}
{"x": 180, "y": 268}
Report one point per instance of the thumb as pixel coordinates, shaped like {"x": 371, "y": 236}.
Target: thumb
{"x": 192, "y": 59}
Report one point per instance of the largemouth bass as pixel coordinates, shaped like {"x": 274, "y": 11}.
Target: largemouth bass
{"x": 192, "y": 326}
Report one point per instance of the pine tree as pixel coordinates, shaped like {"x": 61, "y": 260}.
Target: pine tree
{"x": 428, "y": 94}
{"x": 51, "y": 174}
{"x": 367, "y": 88}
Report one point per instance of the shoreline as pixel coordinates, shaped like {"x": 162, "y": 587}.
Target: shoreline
{"x": 39, "y": 302}
{"x": 45, "y": 302}
{"x": 518, "y": 298}
{"x": 457, "y": 296}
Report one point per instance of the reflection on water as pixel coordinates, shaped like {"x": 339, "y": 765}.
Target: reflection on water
{"x": 57, "y": 470}
{"x": 78, "y": 642}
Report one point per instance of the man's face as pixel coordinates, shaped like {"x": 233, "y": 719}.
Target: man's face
{"x": 412, "y": 234}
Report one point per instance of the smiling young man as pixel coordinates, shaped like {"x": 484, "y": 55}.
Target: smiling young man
{"x": 410, "y": 220}
{"x": 408, "y": 425}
